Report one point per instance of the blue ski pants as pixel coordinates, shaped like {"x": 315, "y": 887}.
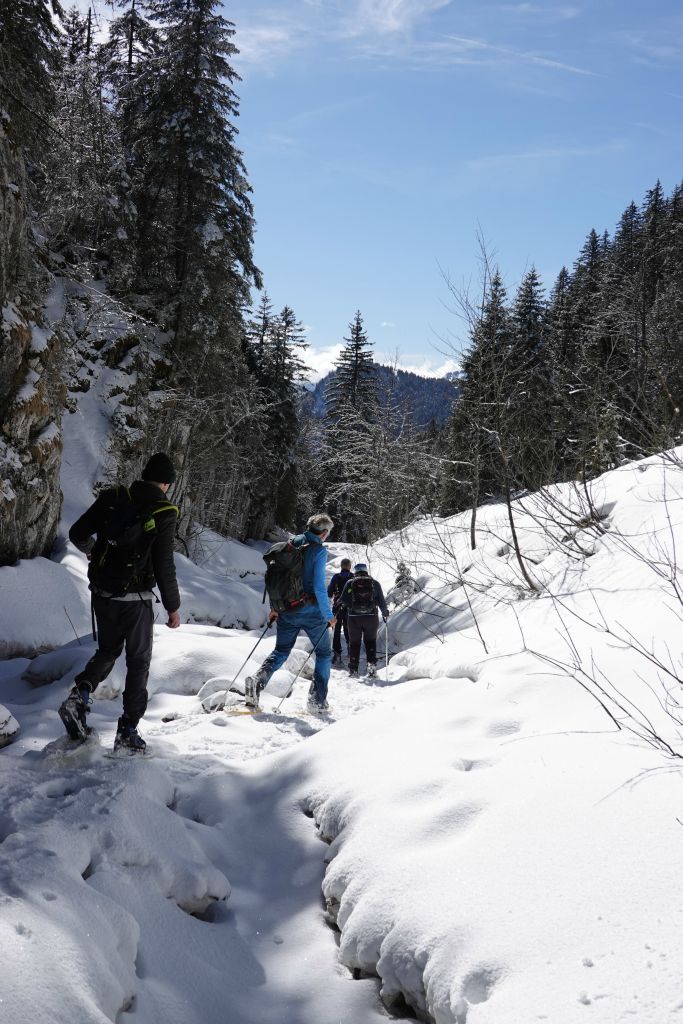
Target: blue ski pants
{"x": 289, "y": 625}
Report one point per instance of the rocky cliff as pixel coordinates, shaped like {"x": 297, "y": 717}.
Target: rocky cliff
{"x": 31, "y": 389}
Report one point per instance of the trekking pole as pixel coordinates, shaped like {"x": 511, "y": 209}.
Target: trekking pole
{"x": 73, "y": 627}
{"x": 268, "y": 625}
{"x": 386, "y": 649}
{"x": 276, "y": 711}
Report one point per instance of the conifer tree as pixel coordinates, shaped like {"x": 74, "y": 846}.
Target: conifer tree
{"x": 478, "y": 430}
{"x": 274, "y": 347}
{"x": 193, "y": 202}
{"x": 530, "y": 370}
{"x": 192, "y": 263}
{"x": 258, "y": 333}
{"x": 354, "y": 383}
{"x": 132, "y": 55}
{"x": 351, "y": 412}
{"x": 77, "y": 191}
{"x": 28, "y": 60}
{"x": 665, "y": 348}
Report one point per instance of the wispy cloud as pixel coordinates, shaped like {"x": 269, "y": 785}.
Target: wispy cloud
{"x": 656, "y": 129}
{"x": 315, "y": 22}
{"x": 407, "y": 32}
{"x": 499, "y": 161}
{"x": 541, "y": 12}
{"x": 654, "y": 48}
{"x": 261, "y": 44}
{"x": 387, "y": 323}
{"x": 390, "y": 17}
{"x": 452, "y": 49}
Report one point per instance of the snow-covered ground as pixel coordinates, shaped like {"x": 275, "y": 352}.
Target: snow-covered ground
{"x": 489, "y": 834}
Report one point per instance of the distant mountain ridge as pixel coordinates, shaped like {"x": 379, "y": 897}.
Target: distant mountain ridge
{"x": 427, "y": 398}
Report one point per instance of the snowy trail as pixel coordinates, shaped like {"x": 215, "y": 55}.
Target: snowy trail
{"x": 500, "y": 850}
{"x": 140, "y": 856}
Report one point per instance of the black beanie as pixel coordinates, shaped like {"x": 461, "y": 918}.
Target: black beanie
{"x": 159, "y": 469}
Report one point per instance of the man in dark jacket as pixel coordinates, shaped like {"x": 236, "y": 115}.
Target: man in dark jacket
{"x": 334, "y": 591}
{"x": 362, "y": 596}
{"x": 131, "y": 553}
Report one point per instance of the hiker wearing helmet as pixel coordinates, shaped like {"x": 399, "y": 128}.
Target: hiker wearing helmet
{"x": 334, "y": 591}
{"x": 362, "y": 596}
{"x": 128, "y": 535}
{"x": 311, "y": 612}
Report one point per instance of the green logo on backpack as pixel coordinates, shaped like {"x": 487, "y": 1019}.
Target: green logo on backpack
{"x": 124, "y": 544}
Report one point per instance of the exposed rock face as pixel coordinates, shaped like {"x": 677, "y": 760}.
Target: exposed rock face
{"x": 31, "y": 391}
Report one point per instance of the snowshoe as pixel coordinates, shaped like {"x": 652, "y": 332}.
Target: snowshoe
{"x": 128, "y": 739}
{"x": 252, "y": 689}
{"x": 316, "y": 707}
{"x": 73, "y": 711}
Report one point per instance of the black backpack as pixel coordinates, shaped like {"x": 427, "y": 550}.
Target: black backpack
{"x": 362, "y": 595}
{"x": 284, "y": 583}
{"x": 124, "y": 543}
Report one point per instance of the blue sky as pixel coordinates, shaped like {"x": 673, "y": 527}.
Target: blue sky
{"x": 381, "y": 135}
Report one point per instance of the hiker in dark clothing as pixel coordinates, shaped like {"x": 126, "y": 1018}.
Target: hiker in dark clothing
{"x": 362, "y": 596}
{"x": 128, "y": 535}
{"x": 334, "y": 591}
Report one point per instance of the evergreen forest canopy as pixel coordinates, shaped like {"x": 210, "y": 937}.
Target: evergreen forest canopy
{"x": 567, "y": 387}
{"x": 122, "y": 179}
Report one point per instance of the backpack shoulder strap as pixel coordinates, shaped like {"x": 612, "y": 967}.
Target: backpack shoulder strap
{"x": 166, "y": 508}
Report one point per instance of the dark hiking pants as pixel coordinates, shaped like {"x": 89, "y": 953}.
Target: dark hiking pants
{"x": 362, "y": 627}
{"x": 119, "y": 624}
{"x": 341, "y": 623}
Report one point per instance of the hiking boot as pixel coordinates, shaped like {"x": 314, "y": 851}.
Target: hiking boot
{"x": 74, "y": 709}
{"x": 252, "y": 688}
{"x": 128, "y": 738}
{"x": 336, "y": 658}
{"x": 316, "y": 707}
{"x": 353, "y": 673}
{"x": 372, "y": 670}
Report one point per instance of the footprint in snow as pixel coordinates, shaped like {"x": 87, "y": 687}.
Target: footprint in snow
{"x": 504, "y": 728}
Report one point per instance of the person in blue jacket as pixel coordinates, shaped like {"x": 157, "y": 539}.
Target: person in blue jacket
{"x": 314, "y": 617}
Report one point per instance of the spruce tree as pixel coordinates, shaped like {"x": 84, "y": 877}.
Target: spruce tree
{"x": 666, "y": 334}
{"x": 530, "y": 371}
{"x": 132, "y": 55}
{"x": 350, "y": 445}
{"x": 354, "y": 383}
{"x": 193, "y": 223}
{"x": 76, "y": 193}
{"x": 258, "y": 333}
{"x": 194, "y": 203}
{"x": 28, "y": 60}
{"x": 478, "y": 441}
{"x": 274, "y": 347}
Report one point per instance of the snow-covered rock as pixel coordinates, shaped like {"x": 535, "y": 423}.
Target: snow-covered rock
{"x": 9, "y": 727}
